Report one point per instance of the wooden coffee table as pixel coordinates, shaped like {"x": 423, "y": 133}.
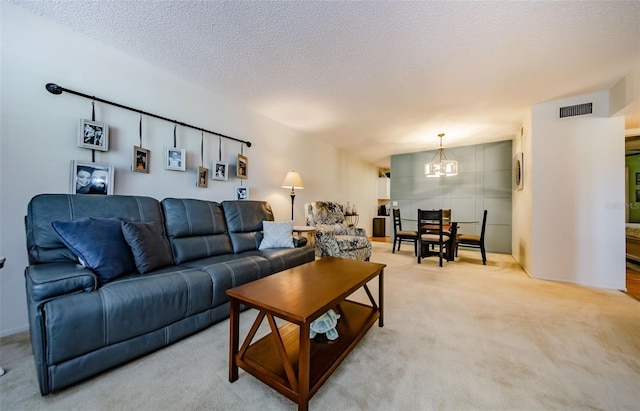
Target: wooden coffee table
{"x": 287, "y": 359}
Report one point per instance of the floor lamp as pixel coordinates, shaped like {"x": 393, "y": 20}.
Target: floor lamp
{"x": 292, "y": 180}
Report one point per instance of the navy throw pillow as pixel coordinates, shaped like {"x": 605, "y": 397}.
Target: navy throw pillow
{"x": 99, "y": 245}
{"x": 149, "y": 245}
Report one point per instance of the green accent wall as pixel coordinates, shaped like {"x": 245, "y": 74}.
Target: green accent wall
{"x": 633, "y": 165}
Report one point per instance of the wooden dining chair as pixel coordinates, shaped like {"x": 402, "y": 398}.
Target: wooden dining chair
{"x": 400, "y": 235}
{"x": 430, "y": 232}
{"x": 446, "y": 220}
{"x": 474, "y": 241}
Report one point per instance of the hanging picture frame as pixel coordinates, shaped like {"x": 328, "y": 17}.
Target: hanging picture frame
{"x": 93, "y": 135}
{"x": 140, "y": 160}
{"x": 220, "y": 171}
{"x": 242, "y": 170}
{"x": 203, "y": 177}
{"x": 91, "y": 178}
{"x": 242, "y": 193}
{"x": 175, "y": 159}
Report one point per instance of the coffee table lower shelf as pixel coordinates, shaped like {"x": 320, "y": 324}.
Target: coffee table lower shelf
{"x": 262, "y": 358}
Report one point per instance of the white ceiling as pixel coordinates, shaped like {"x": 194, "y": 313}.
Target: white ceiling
{"x": 377, "y": 78}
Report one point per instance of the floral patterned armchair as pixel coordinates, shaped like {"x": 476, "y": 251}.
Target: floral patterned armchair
{"x": 333, "y": 236}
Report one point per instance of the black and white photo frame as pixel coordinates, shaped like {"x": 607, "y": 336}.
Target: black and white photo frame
{"x": 93, "y": 135}
{"x": 140, "y": 160}
{"x": 242, "y": 170}
{"x": 242, "y": 193}
{"x": 203, "y": 177}
{"x": 91, "y": 178}
{"x": 175, "y": 159}
{"x": 220, "y": 171}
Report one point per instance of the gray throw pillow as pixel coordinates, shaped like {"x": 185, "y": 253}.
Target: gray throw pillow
{"x": 277, "y": 235}
{"x": 149, "y": 245}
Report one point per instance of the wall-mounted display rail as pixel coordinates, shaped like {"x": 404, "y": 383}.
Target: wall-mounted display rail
{"x": 56, "y": 89}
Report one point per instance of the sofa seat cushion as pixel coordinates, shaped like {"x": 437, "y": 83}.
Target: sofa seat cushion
{"x": 231, "y": 270}
{"x": 285, "y": 258}
{"x": 130, "y": 306}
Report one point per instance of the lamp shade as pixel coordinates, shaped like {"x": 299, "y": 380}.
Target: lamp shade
{"x": 293, "y": 181}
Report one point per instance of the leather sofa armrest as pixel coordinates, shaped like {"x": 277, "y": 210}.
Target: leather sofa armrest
{"x": 45, "y": 281}
{"x": 299, "y": 241}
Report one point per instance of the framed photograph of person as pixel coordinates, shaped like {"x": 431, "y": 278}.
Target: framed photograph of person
{"x": 91, "y": 178}
{"x": 93, "y": 135}
{"x": 242, "y": 193}
{"x": 175, "y": 159}
{"x": 220, "y": 171}
{"x": 140, "y": 161}
{"x": 242, "y": 170}
{"x": 203, "y": 177}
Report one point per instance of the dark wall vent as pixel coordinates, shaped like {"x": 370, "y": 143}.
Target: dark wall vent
{"x": 577, "y": 110}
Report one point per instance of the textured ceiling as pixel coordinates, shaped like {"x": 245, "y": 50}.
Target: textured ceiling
{"x": 377, "y": 78}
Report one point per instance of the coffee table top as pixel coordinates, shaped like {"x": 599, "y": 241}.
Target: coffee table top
{"x": 306, "y": 291}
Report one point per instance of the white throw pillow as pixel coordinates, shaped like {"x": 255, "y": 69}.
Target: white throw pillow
{"x": 277, "y": 234}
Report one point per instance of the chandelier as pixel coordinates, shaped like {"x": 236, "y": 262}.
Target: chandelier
{"x": 443, "y": 166}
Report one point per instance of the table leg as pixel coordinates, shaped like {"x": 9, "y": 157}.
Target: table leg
{"x": 234, "y": 336}
{"x": 381, "y": 298}
{"x": 304, "y": 367}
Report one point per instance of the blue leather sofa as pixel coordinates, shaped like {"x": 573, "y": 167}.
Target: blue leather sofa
{"x": 81, "y": 326}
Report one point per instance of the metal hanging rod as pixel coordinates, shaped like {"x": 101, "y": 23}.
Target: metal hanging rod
{"x": 56, "y": 89}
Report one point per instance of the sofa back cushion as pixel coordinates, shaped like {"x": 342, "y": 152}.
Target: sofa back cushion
{"x": 196, "y": 229}
{"x": 45, "y": 246}
{"x": 244, "y": 220}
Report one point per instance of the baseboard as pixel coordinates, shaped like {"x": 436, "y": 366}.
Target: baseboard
{"x": 15, "y": 330}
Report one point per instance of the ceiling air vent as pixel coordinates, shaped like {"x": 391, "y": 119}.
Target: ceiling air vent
{"x": 577, "y": 110}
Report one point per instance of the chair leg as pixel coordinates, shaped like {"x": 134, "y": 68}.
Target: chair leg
{"x": 415, "y": 248}
{"x": 484, "y": 254}
{"x": 393, "y": 250}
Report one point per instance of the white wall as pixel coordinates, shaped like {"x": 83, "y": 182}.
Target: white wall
{"x": 625, "y": 92}
{"x": 577, "y": 180}
{"x": 522, "y": 200}
{"x": 38, "y": 139}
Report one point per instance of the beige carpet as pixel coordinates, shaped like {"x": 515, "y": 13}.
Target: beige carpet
{"x": 461, "y": 337}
